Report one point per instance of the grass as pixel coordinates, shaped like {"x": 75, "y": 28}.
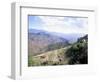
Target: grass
{"x": 54, "y": 57}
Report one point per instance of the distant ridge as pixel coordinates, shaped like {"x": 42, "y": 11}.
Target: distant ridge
{"x": 41, "y": 41}
{"x": 71, "y": 37}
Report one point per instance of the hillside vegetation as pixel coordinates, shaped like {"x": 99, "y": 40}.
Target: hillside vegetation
{"x": 54, "y": 57}
{"x": 78, "y": 53}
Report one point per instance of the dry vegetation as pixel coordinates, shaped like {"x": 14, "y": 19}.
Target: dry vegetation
{"x": 54, "y": 57}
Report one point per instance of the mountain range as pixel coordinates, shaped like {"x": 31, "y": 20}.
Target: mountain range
{"x": 70, "y": 37}
{"x": 40, "y": 41}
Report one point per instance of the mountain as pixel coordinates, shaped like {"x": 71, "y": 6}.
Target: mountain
{"x": 60, "y": 53}
{"x": 40, "y": 41}
{"x": 70, "y": 37}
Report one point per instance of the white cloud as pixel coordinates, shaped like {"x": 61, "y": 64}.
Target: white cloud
{"x": 60, "y": 24}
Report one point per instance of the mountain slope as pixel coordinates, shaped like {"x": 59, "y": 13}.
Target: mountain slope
{"x": 54, "y": 57}
{"x": 78, "y": 53}
{"x": 70, "y": 37}
{"x": 41, "y": 41}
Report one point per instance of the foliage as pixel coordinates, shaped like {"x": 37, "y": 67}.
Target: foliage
{"x": 78, "y": 52}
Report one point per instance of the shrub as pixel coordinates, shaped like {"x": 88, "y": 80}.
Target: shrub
{"x": 78, "y": 53}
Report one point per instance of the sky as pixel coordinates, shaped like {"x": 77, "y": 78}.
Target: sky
{"x": 59, "y": 24}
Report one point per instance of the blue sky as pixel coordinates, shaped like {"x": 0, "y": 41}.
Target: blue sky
{"x": 59, "y": 24}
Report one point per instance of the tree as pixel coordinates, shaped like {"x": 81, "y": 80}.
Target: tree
{"x": 78, "y": 53}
